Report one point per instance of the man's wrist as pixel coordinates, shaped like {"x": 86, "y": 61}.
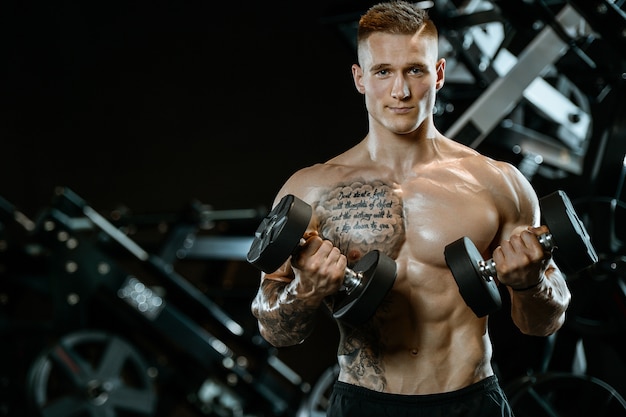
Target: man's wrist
{"x": 530, "y": 287}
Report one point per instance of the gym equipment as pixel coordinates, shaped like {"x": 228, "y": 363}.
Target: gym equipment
{"x": 564, "y": 394}
{"x": 93, "y": 373}
{"x": 109, "y": 302}
{"x": 568, "y": 238}
{"x": 279, "y": 235}
{"x": 316, "y": 403}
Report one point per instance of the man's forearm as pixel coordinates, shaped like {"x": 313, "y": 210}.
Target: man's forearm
{"x": 284, "y": 318}
{"x": 540, "y": 310}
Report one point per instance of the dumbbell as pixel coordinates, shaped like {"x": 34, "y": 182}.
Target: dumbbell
{"x": 567, "y": 239}
{"x": 279, "y": 234}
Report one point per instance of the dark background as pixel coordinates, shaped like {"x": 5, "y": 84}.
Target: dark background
{"x": 151, "y": 104}
{"x": 145, "y": 108}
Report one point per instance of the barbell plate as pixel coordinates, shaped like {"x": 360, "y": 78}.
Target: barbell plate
{"x": 379, "y": 274}
{"x": 279, "y": 233}
{"x": 480, "y": 293}
{"x": 573, "y": 248}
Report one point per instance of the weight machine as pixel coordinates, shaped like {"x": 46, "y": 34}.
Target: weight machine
{"x": 122, "y": 332}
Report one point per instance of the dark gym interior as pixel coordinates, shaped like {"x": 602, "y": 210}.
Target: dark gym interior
{"x": 143, "y": 142}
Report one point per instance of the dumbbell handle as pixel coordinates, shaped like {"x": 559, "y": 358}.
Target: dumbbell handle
{"x": 488, "y": 267}
{"x": 351, "y": 280}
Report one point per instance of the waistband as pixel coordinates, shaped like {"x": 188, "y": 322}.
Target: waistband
{"x": 488, "y": 384}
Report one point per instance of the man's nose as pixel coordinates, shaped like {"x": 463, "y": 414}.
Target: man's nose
{"x": 400, "y": 90}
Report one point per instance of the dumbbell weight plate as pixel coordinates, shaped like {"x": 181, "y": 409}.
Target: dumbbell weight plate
{"x": 479, "y": 293}
{"x": 379, "y": 273}
{"x": 574, "y": 251}
{"x": 279, "y": 233}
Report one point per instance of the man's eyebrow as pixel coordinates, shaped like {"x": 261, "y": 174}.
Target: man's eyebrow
{"x": 380, "y": 66}
{"x": 416, "y": 64}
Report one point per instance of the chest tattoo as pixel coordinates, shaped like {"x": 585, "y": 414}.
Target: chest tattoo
{"x": 359, "y": 217}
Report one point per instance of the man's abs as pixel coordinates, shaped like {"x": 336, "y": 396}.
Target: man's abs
{"x": 414, "y": 372}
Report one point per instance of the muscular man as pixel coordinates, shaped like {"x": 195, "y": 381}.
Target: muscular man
{"x": 408, "y": 191}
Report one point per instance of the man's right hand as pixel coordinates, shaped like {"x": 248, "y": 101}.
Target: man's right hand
{"x": 319, "y": 267}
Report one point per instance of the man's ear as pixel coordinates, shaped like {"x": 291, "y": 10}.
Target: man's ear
{"x": 357, "y": 76}
{"x": 441, "y": 73}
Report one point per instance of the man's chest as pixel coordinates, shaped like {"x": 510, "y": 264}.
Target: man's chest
{"x": 359, "y": 217}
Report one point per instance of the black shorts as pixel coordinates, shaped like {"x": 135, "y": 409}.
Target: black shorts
{"x": 482, "y": 399}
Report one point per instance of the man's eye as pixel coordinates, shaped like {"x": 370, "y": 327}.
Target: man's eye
{"x": 383, "y": 72}
{"x": 415, "y": 70}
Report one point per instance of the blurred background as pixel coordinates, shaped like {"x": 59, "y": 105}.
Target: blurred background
{"x": 143, "y": 142}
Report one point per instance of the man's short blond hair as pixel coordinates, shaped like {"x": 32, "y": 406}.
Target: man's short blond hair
{"x": 395, "y": 17}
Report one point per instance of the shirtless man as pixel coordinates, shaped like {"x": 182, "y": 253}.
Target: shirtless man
{"x": 408, "y": 191}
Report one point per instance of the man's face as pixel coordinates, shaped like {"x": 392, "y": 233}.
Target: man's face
{"x": 399, "y": 76}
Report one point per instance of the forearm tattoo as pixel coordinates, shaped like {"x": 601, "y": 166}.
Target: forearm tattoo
{"x": 289, "y": 321}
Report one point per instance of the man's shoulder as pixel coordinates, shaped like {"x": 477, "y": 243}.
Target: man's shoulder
{"x": 321, "y": 175}
{"x": 311, "y": 177}
{"x": 475, "y": 160}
